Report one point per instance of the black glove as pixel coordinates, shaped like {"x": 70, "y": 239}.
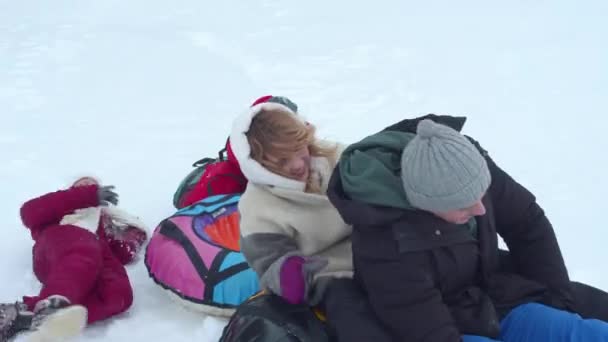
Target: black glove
{"x": 106, "y": 195}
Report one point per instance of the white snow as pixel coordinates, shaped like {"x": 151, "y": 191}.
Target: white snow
{"x": 135, "y": 91}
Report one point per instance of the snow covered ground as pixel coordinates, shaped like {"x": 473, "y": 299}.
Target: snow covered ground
{"x": 135, "y": 91}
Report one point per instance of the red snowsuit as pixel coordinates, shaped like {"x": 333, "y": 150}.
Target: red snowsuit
{"x": 82, "y": 265}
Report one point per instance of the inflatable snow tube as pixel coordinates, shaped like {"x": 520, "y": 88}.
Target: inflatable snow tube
{"x": 195, "y": 256}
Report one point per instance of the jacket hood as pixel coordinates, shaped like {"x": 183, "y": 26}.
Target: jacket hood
{"x": 254, "y": 171}
{"x": 370, "y": 170}
{"x": 366, "y": 185}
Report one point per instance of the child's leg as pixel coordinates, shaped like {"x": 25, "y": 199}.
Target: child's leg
{"x": 474, "y": 338}
{"x": 55, "y": 319}
{"x": 73, "y": 273}
{"x": 537, "y": 322}
{"x": 112, "y": 295}
{"x": 350, "y": 315}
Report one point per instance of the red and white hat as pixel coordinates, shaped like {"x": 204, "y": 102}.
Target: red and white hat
{"x": 254, "y": 171}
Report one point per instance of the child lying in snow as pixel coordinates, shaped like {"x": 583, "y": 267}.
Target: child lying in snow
{"x": 82, "y": 240}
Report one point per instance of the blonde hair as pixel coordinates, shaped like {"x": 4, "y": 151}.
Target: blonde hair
{"x": 279, "y": 134}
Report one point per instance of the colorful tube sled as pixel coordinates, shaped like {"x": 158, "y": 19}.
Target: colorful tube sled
{"x": 194, "y": 255}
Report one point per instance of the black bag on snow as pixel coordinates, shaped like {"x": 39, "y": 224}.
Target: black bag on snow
{"x": 268, "y": 318}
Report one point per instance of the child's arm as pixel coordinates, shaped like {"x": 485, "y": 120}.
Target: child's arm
{"x": 52, "y": 207}
{"x": 279, "y": 263}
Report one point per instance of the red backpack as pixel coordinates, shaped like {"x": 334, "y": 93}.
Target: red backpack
{"x": 211, "y": 176}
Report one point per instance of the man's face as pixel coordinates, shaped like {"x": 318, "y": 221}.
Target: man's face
{"x": 462, "y": 216}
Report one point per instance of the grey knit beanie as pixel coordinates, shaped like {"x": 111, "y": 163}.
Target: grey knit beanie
{"x": 441, "y": 170}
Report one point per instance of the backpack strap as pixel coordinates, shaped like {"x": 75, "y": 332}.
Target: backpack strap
{"x": 203, "y": 161}
{"x": 223, "y": 153}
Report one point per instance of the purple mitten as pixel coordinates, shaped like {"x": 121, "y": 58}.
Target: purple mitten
{"x": 296, "y": 276}
{"x": 293, "y": 284}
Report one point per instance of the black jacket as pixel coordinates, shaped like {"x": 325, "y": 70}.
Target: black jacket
{"x": 430, "y": 280}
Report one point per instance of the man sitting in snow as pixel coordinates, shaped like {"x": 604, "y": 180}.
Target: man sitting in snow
{"x": 82, "y": 242}
{"x": 427, "y": 205}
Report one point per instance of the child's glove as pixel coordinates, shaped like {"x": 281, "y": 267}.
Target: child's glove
{"x": 296, "y": 277}
{"x": 106, "y": 195}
